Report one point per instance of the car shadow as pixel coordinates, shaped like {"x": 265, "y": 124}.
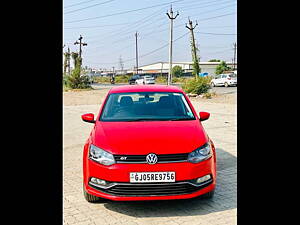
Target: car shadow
{"x": 224, "y": 198}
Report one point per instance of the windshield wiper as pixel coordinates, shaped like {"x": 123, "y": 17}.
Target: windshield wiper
{"x": 153, "y": 119}
{"x": 141, "y": 119}
{"x": 178, "y": 119}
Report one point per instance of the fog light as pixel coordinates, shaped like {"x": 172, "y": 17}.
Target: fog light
{"x": 98, "y": 181}
{"x": 203, "y": 179}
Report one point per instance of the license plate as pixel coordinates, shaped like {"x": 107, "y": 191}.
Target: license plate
{"x": 152, "y": 177}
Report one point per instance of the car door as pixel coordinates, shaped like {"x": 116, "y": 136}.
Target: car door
{"x": 139, "y": 80}
{"x": 217, "y": 80}
{"x": 223, "y": 79}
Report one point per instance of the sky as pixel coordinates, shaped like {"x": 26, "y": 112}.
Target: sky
{"x": 108, "y": 27}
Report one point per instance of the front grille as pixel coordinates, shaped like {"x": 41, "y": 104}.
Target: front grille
{"x": 162, "y": 189}
{"x": 181, "y": 157}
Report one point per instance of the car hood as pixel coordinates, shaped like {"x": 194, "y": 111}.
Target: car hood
{"x": 160, "y": 137}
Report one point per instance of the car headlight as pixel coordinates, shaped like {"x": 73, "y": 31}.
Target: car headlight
{"x": 200, "y": 154}
{"x": 101, "y": 156}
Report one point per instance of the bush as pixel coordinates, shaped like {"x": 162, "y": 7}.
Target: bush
{"x": 177, "y": 71}
{"x": 76, "y": 81}
{"x": 122, "y": 78}
{"x": 222, "y": 67}
{"x": 180, "y": 79}
{"x": 102, "y": 79}
{"x": 197, "y": 86}
{"x": 161, "y": 79}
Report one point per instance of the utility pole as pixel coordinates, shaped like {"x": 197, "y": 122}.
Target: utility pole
{"x": 136, "y": 53}
{"x": 171, "y": 43}
{"x": 80, "y": 43}
{"x": 194, "y": 50}
{"x": 234, "y": 46}
{"x": 68, "y": 61}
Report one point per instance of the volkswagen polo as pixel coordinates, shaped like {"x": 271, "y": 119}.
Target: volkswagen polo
{"x": 148, "y": 143}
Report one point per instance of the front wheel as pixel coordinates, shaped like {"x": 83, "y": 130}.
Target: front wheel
{"x": 226, "y": 84}
{"x": 212, "y": 84}
{"x": 90, "y": 198}
{"x": 208, "y": 195}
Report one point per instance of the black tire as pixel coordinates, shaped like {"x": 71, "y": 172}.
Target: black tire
{"x": 212, "y": 84}
{"x": 208, "y": 195}
{"x": 91, "y": 198}
{"x": 226, "y": 84}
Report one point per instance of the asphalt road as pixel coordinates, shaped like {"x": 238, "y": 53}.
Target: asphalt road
{"x": 218, "y": 90}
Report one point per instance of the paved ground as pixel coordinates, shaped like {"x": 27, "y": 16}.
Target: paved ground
{"x": 221, "y": 127}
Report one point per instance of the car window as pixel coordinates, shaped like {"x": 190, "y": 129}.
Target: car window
{"x": 140, "y": 106}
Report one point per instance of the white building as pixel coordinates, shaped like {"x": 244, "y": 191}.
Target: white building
{"x": 163, "y": 67}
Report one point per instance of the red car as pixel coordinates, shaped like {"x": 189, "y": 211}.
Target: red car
{"x": 148, "y": 143}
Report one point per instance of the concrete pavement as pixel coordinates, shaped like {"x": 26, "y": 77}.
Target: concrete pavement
{"x": 221, "y": 127}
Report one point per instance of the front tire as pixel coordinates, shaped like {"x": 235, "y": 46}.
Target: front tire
{"x": 90, "y": 198}
{"x": 226, "y": 84}
{"x": 212, "y": 84}
{"x": 208, "y": 195}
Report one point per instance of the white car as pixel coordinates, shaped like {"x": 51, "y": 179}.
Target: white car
{"x": 224, "y": 80}
{"x": 146, "y": 80}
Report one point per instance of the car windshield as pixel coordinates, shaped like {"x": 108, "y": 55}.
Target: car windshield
{"x": 146, "y": 106}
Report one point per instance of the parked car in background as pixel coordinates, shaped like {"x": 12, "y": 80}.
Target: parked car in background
{"x": 146, "y": 80}
{"x": 224, "y": 80}
{"x": 134, "y": 78}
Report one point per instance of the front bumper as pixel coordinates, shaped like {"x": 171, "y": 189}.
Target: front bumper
{"x": 232, "y": 83}
{"x": 123, "y": 190}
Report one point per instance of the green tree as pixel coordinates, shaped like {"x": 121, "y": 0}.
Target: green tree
{"x": 196, "y": 66}
{"x": 76, "y": 80}
{"x": 222, "y": 67}
{"x": 67, "y": 55}
{"x": 76, "y": 59}
{"x": 177, "y": 71}
{"x": 197, "y": 86}
{"x": 214, "y": 60}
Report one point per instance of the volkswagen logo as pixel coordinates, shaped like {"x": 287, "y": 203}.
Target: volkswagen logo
{"x": 151, "y": 158}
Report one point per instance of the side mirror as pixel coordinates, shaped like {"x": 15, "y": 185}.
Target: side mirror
{"x": 89, "y": 117}
{"x": 204, "y": 116}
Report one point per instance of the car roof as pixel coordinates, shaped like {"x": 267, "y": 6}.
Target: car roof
{"x": 145, "y": 88}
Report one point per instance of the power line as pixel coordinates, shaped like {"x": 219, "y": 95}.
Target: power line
{"x": 107, "y": 25}
{"x": 80, "y": 3}
{"x": 124, "y": 12}
{"x": 213, "y": 33}
{"x": 152, "y": 32}
{"x": 134, "y": 25}
{"x": 143, "y": 20}
{"x": 149, "y": 53}
{"x": 88, "y": 7}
